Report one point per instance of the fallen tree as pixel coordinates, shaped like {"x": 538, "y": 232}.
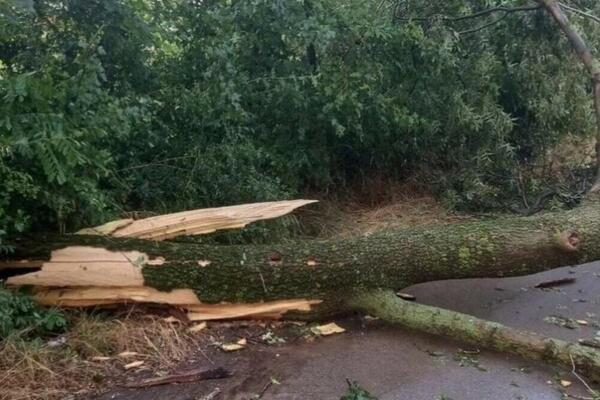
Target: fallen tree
{"x": 316, "y": 279}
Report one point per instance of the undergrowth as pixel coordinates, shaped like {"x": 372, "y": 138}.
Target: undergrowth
{"x": 19, "y": 313}
{"x": 89, "y": 355}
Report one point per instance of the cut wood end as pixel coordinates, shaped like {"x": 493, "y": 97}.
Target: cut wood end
{"x": 568, "y": 240}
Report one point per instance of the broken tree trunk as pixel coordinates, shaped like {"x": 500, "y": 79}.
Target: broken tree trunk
{"x": 477, "y": 332}
{"x": 320, "y": 278}
{"x": 318, "y": 270}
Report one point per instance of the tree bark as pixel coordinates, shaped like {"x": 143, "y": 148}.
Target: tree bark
{"x": 477, "y": 332}
{"x": 592, "y": 66}
{"x": 339, "y": 275}
{"x": 394, "y": 259}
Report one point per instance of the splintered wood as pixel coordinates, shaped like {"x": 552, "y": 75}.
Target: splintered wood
{"x": 83, "y": 276}
{"x": 184, "y": 298}
{"x": 196, "y": 222}
{"x": 87, "y": 266}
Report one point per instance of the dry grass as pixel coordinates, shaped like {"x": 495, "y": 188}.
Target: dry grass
{"x": 35, "y": 370}
{"x": 387, "y": 206}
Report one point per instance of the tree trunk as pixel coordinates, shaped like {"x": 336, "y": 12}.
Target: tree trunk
{"x": 494, "y": 247}
{"x": 592, "y": 66}
{"x": 316, "y": 279}
{"x": 480, "y": 333}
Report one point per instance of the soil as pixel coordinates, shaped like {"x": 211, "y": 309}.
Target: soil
{"x": 394, "y": 363}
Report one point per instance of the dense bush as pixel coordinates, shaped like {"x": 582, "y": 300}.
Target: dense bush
{"x": 163, "y": 105}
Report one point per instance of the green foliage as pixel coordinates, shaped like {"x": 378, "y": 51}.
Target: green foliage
{"x": 56, "y": 122}
{"x": 355, "y": 392}
{"x": 167, "y": 105}
{"x": 19, "y": 313}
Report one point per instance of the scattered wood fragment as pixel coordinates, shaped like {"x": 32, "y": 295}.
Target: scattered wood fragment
{"x": 327, "y": 329}
{"x": 192, "y": 375}
{"x": 101, "y": 358}
{"x": 133, "y": 364}
{"x": 406, "y": 296}
{"x": 212, "y": 395}
{"x": 565, "y": 383}
{"x": 197, "y": 328}
{"x": 267, "y": 310}
{"x": 196, "y": 222}
{"x": 554, "y": 283}
{"x": 125, "y": 354}
{"x": 239, "y": 345}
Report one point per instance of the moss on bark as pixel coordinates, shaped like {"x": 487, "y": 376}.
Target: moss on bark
{"x": 485, "y": 334}
{"x": 391, "y": 259}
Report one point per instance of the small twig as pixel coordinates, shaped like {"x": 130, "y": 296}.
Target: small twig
{"x": 554, "y": 282}
{"x": 482, "y": 27}
{"x": 574, "y": 372}
{"x": 187, "y": 376}
{"x": 262, "y": 280}
{"x": 211, "y": 395}
{"x": 264, "y": 390}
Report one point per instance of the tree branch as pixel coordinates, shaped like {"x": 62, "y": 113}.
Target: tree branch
{"x": 580, "y": 12}
{"x": 484, "y": 26}
{"x": 555, "y": 9}
{"x": 504, "y": 9}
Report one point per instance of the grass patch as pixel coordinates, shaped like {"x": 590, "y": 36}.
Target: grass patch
{"x": 77, "y": 363}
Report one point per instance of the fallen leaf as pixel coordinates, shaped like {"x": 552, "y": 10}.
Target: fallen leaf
{"x": 100, "y": 358}
{"x": 327, "y": 329}
{"x": 197, "y": 327}
{"x": 134, "y": 364}
{"x": 125, "y": 354}
{"x": 565, "y": 383}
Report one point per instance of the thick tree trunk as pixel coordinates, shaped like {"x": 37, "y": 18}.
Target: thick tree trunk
{"x": 321, "y": 278}
{"x": 394, "y": 259}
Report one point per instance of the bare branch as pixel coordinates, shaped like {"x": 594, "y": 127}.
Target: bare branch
{"x": 484, "y": 26}
{"x": 503, "y": 9}
{"x": 580, "y": 12}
